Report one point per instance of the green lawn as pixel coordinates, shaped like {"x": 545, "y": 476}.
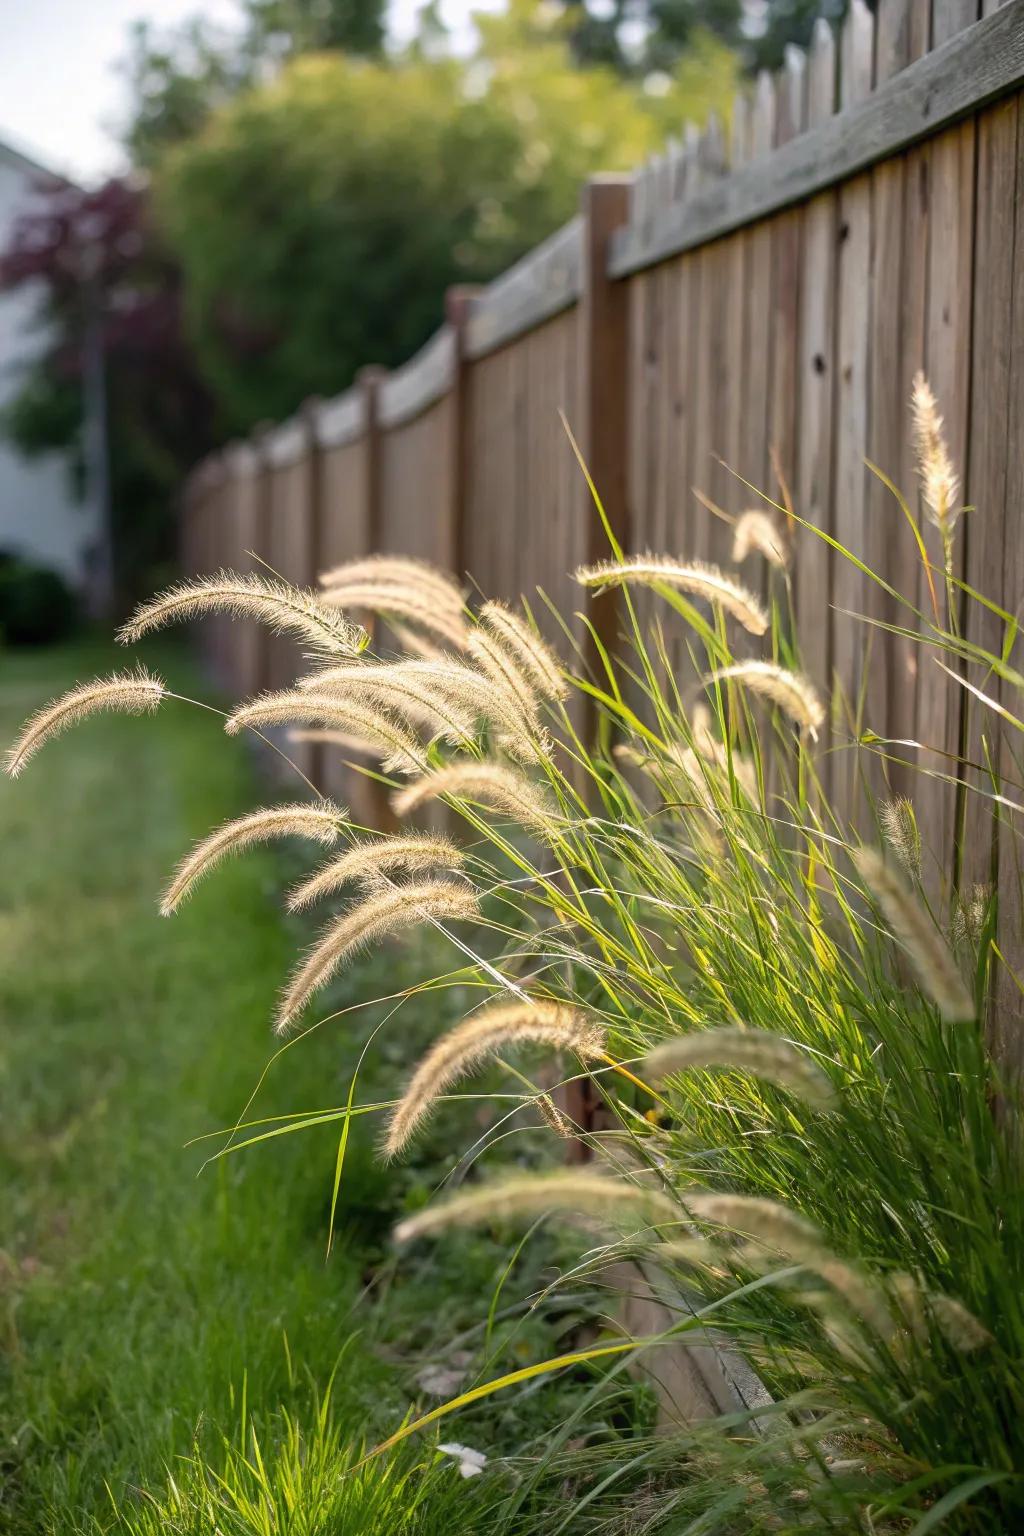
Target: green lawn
{"x": 141, "y": 1300}
{"x": 136, "y": 1294}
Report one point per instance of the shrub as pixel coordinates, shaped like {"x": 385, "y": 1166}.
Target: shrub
{"x": 801, "y": 1123}
{"x": 36, "y": 605}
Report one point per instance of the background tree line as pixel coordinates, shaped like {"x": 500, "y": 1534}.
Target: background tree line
{"x": 303, "y": 191}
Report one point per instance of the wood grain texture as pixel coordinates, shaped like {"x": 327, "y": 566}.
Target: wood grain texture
{"x": 812, "y": 557}
{"x": 852, "y": 427}
{"x": 1007, "y": 1022}
{"x": 985, "y": 533}
{"x": 948, "y": 349}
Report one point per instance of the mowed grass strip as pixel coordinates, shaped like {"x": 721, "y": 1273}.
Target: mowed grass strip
{"x": 135, "y": 1294}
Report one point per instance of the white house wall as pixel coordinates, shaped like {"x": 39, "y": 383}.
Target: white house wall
{"x": 40, "y": 517}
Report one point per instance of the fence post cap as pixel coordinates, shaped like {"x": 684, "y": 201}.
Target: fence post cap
{"x": 457, "y": 300}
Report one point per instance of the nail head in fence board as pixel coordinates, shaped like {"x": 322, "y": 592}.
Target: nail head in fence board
{"x": 969, "y": 71}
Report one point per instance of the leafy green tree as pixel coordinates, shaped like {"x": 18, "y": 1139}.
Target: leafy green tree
{"x": 310, "y": 26}
{"x": 653, "y": 35}
{"x": 94, "y": 260}
{"x": 788, "y": 23}
{"x": 177, "y": 77}
{"x": 321, "y": 217}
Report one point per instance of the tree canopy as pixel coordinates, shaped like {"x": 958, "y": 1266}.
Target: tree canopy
{"x": 319, "y": 219}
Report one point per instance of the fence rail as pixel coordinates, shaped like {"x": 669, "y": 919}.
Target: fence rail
{"x": 759, "y": 300}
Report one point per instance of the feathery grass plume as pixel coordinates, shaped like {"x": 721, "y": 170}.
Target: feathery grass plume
{"x": 321, "y": 822}
{"x": 554, "y": 1118}
{"x": 969, "y": 914}
{"x": 373, "y": 857}
{"x": 756, "y": 1051}
{"x": 375, "y": 917}
{"x": 445, "y": 694}
{"x": 677, "y": 773}
{"x": 399, "y": 686}
{"x": 920, "y": 1307}
{"x": 757, "y": 530}
{"x": 393, "y": 601}
{"x": 901, "y": 832}
{"x": 772, "y": 1224}
{"x": 134, "y": 693}
{"x": 287, "y": 609}
{"x": 708, "y": 746}
{"x": 940, "y": 484}
{"x": 695, "y": 578}
{"x": 776, "y": 1227}
{"x": 930, "y": 958}
{"x": 398, "y": 747}
{"x": 533, "y": 655}
{"x": 477, "y": 1039}
{"x": 399, "y": 571}
{"x": 695, "y": 1253}
{"x": 357, "y": 745}
{"x": 416, "y": 644}
{"x": 504, "y": 671}
{"x": 791, "y": 691}
{"x": 493, "y": 784}
{"x": 573, "y": 1193}
{"x": 489, "y": 698}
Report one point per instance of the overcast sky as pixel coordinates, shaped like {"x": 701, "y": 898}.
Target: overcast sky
{"x": 60, "y": 95}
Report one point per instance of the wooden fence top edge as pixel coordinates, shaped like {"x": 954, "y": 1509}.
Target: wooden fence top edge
{"x": 543, "y": 284}
{"x": 421, "y": 382}
{"x": 240, "y": 458}
{"x": 972, "y": 69}
{"x": 287, "y": 444}
{"x": 206, "y": 476}
{"x": 340, "y": 421}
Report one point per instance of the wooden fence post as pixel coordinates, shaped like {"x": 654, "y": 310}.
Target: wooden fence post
{"x": 602, "y": 436}
{"x": 457, "y": 305}
{"x": 368, "y": 381}
{"x": 314, "y": 765}
{"x": 604, "y": 373}
{"x": 260, "y": 548}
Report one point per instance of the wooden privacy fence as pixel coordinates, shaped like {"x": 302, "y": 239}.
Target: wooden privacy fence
{"x": 759, "y": 299}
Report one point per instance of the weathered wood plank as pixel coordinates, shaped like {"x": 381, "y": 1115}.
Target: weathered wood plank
{"x": 986, "y": 530}
{"x": 341, "y": 420}
{"x": 787, "y": 249}
{"x": 1007, "y": 1025}
{"x": 969, "y": 71}
{"x": 757, "y": 375}
{"x": 853, "y": 302}
{"x": 537, "y": 288}
{"x": 421, "y": 382}
{"x": 812, "y": 558}
{"x": 948, "y": 350}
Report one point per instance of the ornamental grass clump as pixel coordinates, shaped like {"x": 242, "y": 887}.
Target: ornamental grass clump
{"x": 789, "y": 1103}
